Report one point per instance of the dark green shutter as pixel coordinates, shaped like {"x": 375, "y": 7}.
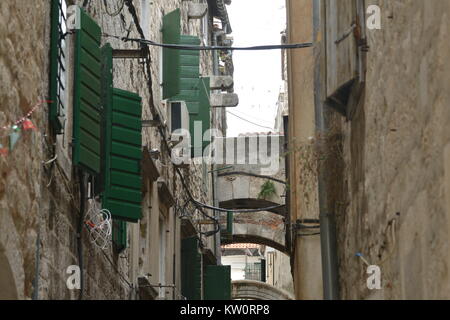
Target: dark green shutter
{"x": 217, "y": 282}
{"x": 119, "y": 234}
{"x": 87, "y": 95}
{"x": 57, "y": 110}
{"x": 189, "y": 75}
{"x": 195, "y": 92}
{"x": 191, "y": 269}
{"x": 171, "y": 57}
{"x": 123, "y": 152}
{"x": 107, "y": 96}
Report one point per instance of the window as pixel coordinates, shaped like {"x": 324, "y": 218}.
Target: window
{"x": 58, "y": 67}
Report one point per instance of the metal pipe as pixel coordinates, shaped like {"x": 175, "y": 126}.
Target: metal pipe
{"x": 327, "y": 221}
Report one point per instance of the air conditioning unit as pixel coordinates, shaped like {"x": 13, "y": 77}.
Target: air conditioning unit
{"x": 178, "y": 125}
{"x": 177, "y": 119}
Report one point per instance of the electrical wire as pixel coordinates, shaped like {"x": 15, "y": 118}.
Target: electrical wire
{"x": 238, "y": 210}
{"x": 243, "y": 114}
{"x": 155, "y": 112}
{"x": 249, "y": 121}
{"x": 144, "y": 41}
{"x": 208, "y": 48}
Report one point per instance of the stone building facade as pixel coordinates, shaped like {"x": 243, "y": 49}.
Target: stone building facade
{"x": 383, "y": 148}
{"x": 42, "y": 227}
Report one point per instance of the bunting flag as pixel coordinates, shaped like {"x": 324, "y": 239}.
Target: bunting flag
{"x": 28, "y": 125}
{"x": 14, "y": 137}
{"x": 23, "y": 123}
{"x": 3, "y": 150}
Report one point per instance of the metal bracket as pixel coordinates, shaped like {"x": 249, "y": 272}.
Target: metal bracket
{"x": 129, "y": 53}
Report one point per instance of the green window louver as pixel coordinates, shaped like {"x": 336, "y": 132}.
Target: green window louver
{"x": 171, "y": 57}
{"x": 195, "y": 92}
{"x": 87, "y": 95}
{"x": 217, "y": 283}
{"x": 191, "y": 269}
{"x": 201, "y": 121}
{"x": 122, "y": 179}
{"x": 119, "y": 235}
{"x": 57, "y": 108}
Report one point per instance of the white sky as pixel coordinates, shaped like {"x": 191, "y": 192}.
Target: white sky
{"x": 257, "y": 74}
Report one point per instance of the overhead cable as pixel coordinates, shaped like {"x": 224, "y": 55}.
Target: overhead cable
{"x": 213, "y": 48}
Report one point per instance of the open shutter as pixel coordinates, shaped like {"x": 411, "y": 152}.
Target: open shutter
{"x": 87, "y": 95}
{"x": 195, "y": 92}
{"x": 342, "y": 52}
{"x": 171, "y": 57}
{"x": 189, "y": 73}
{"x": 191, "y": 269}
{"x": 107, "y": 93}
{"x": 123, "y": 140}
{"x": 119, "y": 234}
{"x": 58, "y": 83}
{"x": 217, "y": 282}
{"x": 200, "y": 122}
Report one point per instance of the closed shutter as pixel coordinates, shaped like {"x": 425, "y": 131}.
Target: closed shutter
{"x": 171, "y": 57}
{"x": 217, "y": 282}
{"x": 342, "y": 56}
{"x": 87, "y": 95}
{"x": 123, "y": 152}
{"x": 191, "y": 269}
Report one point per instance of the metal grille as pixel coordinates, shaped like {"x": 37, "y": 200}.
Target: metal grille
{"x": 253, "y": 271}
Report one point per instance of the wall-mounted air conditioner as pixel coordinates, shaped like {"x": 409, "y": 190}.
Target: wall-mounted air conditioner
{"x": 177, "y": 118}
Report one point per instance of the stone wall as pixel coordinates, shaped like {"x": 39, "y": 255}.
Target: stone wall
{"x": 396, "y": 209}
{"x": 39, "y": 204}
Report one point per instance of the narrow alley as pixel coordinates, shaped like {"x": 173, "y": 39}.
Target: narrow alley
{"x": 224, "y": 150}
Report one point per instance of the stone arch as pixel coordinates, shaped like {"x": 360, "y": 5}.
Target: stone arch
{"x": 8, "y": 289}
{"x": 242, "y": 191}
{"x": 252, "y": 203}
{"x": 257, "y": 290}
{"x": 264, "y": 228}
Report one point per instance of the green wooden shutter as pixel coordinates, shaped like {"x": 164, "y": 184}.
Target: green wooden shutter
{"x": 171, "y": 57}
{"x": 217, "y": 283}
{"x": 189, "y": 75}
{"x": 57, "y": 110}
{"x": 119, "y": 235}
{"x": 87, "y": 95}
{"x": 191, "y": 269}
{"x": 202, "y": 117}
{"x": 195, "y": 92}
{"x": 123, "y": 151}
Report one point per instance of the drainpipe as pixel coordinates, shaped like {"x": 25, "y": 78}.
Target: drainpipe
{"x": 213, "y": 168}
{"x": 327, "y": 218}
